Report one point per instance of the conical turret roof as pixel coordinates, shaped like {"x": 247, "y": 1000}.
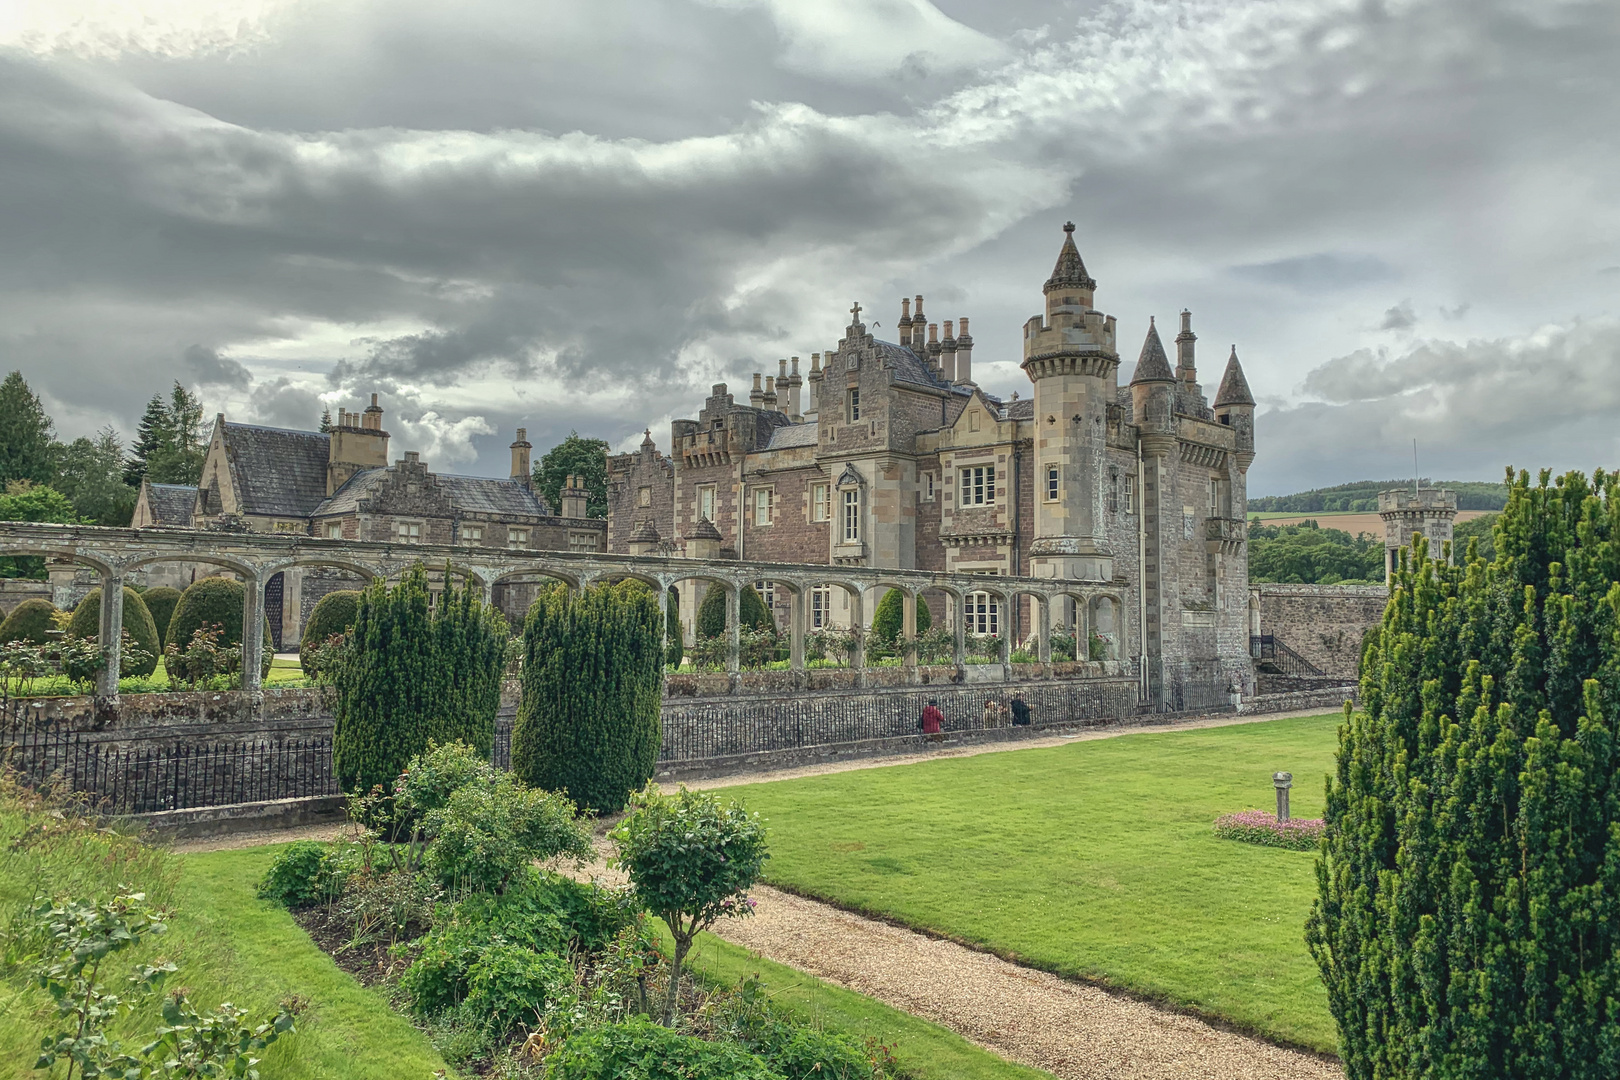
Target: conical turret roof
{"x": 1234, "y": 387}
{"x": 1153, "y": 365}
{"x": 1070, "y": 272}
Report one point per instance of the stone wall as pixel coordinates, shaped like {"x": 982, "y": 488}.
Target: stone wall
{"x": 14, "y": 591}
{"x": 1323, "y": 623}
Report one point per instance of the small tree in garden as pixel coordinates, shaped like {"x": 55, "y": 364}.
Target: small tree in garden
{"x": 209, "y": 604}
{"x": 674, "y": 633}
{"x": 888, "y": 621}
{"x": 31, "y": 621}
{"x": 161, "y": 602}
{"x": 415, "y": 675}
{"x": 592, "y": 686}
{"x": 334, "y": 613}
{"x": 751, "y": 612}
{"x": 86, "y": 625}
{"x": 1468, "y": 914}
{"x": 691, "y": 860}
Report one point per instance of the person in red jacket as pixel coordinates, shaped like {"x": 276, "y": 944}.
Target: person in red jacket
{"x": 931, "y": 720}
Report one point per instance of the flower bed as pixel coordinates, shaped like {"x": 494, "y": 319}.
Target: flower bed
{"x": 1262, "y": 827}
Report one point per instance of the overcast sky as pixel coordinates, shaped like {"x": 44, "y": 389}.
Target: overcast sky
{"x": 575, "y": 215}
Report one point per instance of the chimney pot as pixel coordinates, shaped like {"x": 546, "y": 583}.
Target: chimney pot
{"x": 933, "y": 333}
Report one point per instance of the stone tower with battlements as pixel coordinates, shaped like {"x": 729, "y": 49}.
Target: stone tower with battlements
{"x": 1424, "y": 511}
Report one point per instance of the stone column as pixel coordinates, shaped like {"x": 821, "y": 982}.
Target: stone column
{"x": 1008, "y": 628}
{"x": 908, "y": 633}
{"x": 1282, "y": 782}
{"x": 663, "y": 622}
{"x": 733, "y": 628}
{"x": 252, "y": 631}
{"x": 797, "y": 618}
{"x": 959, "y": 646}
{"x": 111, "y": 636}
{"x": 857, "y": 626}
{"x": 1043, "y": 632}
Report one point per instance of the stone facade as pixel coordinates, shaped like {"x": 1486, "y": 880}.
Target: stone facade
{"x": 1427, "y": 512}
{"x": 1322, "y": 623}
{"x": 888, "y": 454}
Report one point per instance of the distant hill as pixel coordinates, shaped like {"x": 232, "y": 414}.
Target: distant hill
{"x": 1363, "y": 496}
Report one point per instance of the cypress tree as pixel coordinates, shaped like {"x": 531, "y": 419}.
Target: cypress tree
{"x": 415, "y": 674}
{"x": 1468, "y": 913}
{"x": 888, "y": 621}
{"x": 588, "y": 723}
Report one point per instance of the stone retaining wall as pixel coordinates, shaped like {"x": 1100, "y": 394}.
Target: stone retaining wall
{"x": 1328, "y": 699}
{"x": 1323, "y": 623}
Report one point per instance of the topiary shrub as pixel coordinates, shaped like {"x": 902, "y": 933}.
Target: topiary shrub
{"x": 304, "y": 872}
{"x": 751, "y": 612}
{"x": 888, "y": 621}
{"x": 211, "y": 602}
{"x": 161, "y": 602}
{"x": 592, "y": 686}
{"x": 31, "y": 621}
{"x": 415, "y": 676}
{"x": 646, "y": 1051}
{"x": 334, "y": 613}
{"x": 86, "y": 624}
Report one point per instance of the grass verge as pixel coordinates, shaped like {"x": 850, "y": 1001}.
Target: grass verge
{"x": 1094, "y": 860}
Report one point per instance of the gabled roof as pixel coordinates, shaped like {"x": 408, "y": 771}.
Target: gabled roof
{"x": 1234, "y": 387}
{"x": 346, "y": 499}
{"x": 1153, "y": 365}
{"x": 908, "y": 367}
{"x": 1070, "y": 271}
{"x": 276, "y": 471}
{"x": 1022, "y": 409}
{"x": 171, "y": 504}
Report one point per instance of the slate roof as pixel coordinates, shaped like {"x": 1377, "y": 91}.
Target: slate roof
{"x": 346, "y": 499}
{"x": 784, "y": 438}
{"x": 1234, "y": 387}
{"x": 1022, "y": 409}
{"x": 492, "y": 495}
{"x": 277, "y": 471}
{"x": 1070, "y": 271}
{"x": 1153, "y": 365}
{"x": 171, "y": 504}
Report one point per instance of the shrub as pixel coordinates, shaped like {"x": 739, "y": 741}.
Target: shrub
{"x": 430, "y": 778}
{"x": 484, "y": 835}
{"x": 888, "y": 621}
{"x": 691, "y": 861}
{"x": 639, "y": 1050}
{"x": 207, "y": 603}
{"x": 588, "y": 723}
{"x": 674, "y": 633}
{"x": 303, "y": 873}
{"x": 509, "y": 985}
{"x": 802, "y": 1053}
{"x": 31, "y": 621}
{"x": 1263, "y": 828}
{"x": 415, "y": 676}
{"x": 751, "y": 612}
{"x": 1467, "y": 910}
{"x": 334, "y": 613}
{"x": 161, "y": 602}
{"x": 86, "y": 624}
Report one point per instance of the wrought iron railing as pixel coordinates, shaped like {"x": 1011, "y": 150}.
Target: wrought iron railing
{"x": 1275, "y": 656}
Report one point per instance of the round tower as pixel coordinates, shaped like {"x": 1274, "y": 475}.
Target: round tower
{"x": 1234, "y": 407}
{"x": 1070, "y": 357}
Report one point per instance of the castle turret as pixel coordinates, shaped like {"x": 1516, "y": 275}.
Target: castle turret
{"x": 644, "y": 538}
{"x": 1234, "y": 407}
{"x": 1424, "y": 511}
{"x": 521, "y": 473}
{"x": 1070, "y": 356}
{"x": 1153, "y": 394}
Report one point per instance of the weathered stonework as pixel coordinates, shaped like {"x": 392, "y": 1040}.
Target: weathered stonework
{"x": 1323, "y": 623}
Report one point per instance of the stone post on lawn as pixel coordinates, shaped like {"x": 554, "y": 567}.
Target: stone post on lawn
{"x": 1282, "y": 782}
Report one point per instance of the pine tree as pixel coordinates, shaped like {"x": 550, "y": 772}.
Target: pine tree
{"x": 326, "y": 421}
{"x": 149, "y": 435}
{"x": 27, "y": 449}
{"x": 1468, "y": 916}
{"x": 588, "y": 723}
{"x": 415, "y": 674}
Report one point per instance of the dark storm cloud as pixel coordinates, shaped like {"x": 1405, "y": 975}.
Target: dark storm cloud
{"x": 208, "y": 368}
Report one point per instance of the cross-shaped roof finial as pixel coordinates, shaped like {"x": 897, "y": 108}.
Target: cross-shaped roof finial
{"x": 855, "y": 313}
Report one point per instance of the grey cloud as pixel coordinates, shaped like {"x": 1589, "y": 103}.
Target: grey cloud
{"x": 281, "y": 402}
{"x": 1322, "y": 271}
{"x": 209, "y": 368}
{"x": 1399, "y": 317}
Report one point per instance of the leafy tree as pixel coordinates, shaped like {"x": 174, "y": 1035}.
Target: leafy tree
{"x": 27, "y": 450}
{"x": 588, "y": 722}
{"x": 90, "y": 473}
{"x": 1468, "y": 914}
{"x": 487, "y": 833}
{"x": 575, "y": 456}
{"x": 210, "y": 602}
{"x": 1477, "y": 529}
{"x": 752, "y": 613}
{"x": 169, "y": 447}
{"x": 691, "y": 860}
{"x": 26, "y": 501}
{"x": 415, "y": 675}
{"x": 1309, "y": 555}
{"x": 143, "y": 634}
{"x": 888, "y": 621}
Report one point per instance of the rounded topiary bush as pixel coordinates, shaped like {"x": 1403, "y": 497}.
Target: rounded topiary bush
{"x": 334, "y": 614}
{"x": 889, "y": 619}
{"x": 160, "y": 602}
{"x": 751, "y": 612}
{"x": 86, "y": 624}
{"x": 213, "y": 601}
{"x": 31, "y": 621}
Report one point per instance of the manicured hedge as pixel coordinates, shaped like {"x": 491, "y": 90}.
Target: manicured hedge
{"x": 751, "y": 612}
{"x": 334, "y": 613}
{"x": 889, "y": 619}
{"x": 161, "y": 601}
{"x": 31, "y": 621}
{"x": 86, "y": 624}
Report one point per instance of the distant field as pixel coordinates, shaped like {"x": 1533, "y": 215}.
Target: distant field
{"x": 1350, "y": 521}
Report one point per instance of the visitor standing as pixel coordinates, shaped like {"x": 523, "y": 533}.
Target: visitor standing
{"x": 1020, "y": 711}
{"x": 932, "y": 719}
{"x": 992, "y": 714}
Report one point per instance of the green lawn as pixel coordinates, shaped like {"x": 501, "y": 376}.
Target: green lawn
{"x": 1093, "y": 859}
{"x": 282, "y": 672}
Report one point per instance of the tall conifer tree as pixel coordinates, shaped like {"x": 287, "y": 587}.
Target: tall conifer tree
{"x": 27, "y": 449}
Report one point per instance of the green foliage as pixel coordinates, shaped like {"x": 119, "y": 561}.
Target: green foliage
{"x": 751, "y": 612}
{"x": 1308, "y": 555}
{"x": 211, "y": 607}
{"x": 415, "y": 676}
{"x": 790, "y": 1047}
{"x": 169, "y": 447}
{"x": 485, "y": 834}
{"x": 335, "y": 613}
{"x": 888, "y": 621}
{"x": 161, "y": 602}
{"x": 27, "y": 451}
{"x": 588, "y": 723}
{"x": 691, "y": 860}
{"x": 575, "y": 456}
{"x": 674, "y": 632}
{"x": 639, "y": 1050}
{"x": 25, "y": 501}
{"x": 430, "y": 778}
{"x": 1481, "y": 529}
{"x": 1468, "y": 916}
{"x": 1362, "y": 496}
{"x": 31, "y": 621}
{"x": 138, "y": 624}
{"x": 304, "y": 872}
{"x": 509, "y": 985}
{"x": 90, "y": 472}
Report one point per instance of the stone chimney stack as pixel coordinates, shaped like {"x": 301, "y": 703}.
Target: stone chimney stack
{"x": 947, "y": 353}
{"x": 917, "y": 325}
{"x": 756, "y": 396}
{"x": 964, "y": 352}
{"x": 814, "y": 379}
{"x": 933, "y": 346}
{"x": 521, "y": 472}
{"x": 768, "y": 399}
{"x": 357, "y": 442}
{"x": 902, "y": 329}
{"x": 792, "y": 381}
{"x": 1186, "y": 368}
{"x": 573, "y": 497}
